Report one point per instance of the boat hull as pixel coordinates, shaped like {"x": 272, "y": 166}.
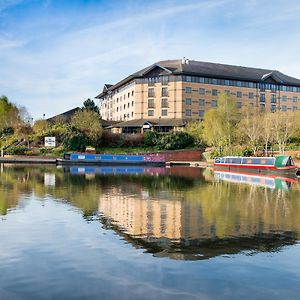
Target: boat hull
{"x": 291, "y": 170}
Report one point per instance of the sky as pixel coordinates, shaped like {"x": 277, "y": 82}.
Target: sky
{"x": 54, "y": 54}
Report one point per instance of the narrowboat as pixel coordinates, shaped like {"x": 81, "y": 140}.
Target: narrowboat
{"x": 112, "y": 159}
{"x": 281, "y": 163}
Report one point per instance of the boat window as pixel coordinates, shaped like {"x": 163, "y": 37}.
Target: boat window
{"x": 290, "y": 162}
{"x": 255, "y": 161}
{"x": 247, "y": 161}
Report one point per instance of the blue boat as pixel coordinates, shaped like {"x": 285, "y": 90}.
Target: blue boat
{"x": 113, "y": 159}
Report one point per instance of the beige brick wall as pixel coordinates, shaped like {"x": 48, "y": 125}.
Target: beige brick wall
{"x": 135, "y": 99}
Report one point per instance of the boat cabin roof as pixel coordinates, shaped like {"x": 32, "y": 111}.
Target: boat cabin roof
{"x": 278, "y": 161}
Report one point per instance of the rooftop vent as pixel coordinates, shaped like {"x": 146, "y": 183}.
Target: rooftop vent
{"x": 185, "y": 61}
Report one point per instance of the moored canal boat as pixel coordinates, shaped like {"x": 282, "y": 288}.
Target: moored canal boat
{"x": 112, "y": 159}
{"x": 281, "y": 163}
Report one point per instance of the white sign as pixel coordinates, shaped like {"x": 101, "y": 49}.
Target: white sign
{"x": 50, "y": 141}
{"x": 146, "y": 126}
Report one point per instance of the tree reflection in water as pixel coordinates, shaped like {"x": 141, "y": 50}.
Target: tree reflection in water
{"x": 182, "y": 213}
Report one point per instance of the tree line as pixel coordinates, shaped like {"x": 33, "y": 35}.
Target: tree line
{"x": 235, "y": 131}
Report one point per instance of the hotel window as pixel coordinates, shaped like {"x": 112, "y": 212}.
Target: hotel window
{"x": 250, "y": 105}
{"x": 151, "y": 103}
{"x": 150, "y": 112}
{"x": 151, "y": 92}
{"x": 188, "y": 112}
{"x": 117, "y": 100}
{"x": 251, "y": 95}
{"x": 295, "y": 99}
{"x": 202, "y": 91}
{"x": 201, "y": 102}
{"x": 283, "y": 108}
{"x": 262, "y": 98}
{"x": 188, "y": 89}
{"x": 273, "y": 107}
{"x": 284, "y": 98}
{"x": 117, "y": 109}
{"x": 239, "y": 104}
{"x": 164, "y": 102}
{"x": 214, "y": 103}
{"x": 132, "y": 102}
{"x": 128, "y": 95}
{"x": 201, "y": 114}
{"x": 124, "y": 106}
{"x": 239, "y": 94}
{"x": 188, "y": 78}
{"x": 132, "y": 93}
{"x": 165, "y": 80}
{"x": 214, "y": 92}
{"x": 151, "y": 81}
{"x": 164, "y": 112}
{"x": 273, "y": 98}
{"x": 295, "y": 108}
{"x": 188, "y": 101}
{"x": 262, "y": 106}
{"x": 227, "y": 92}
{"x": 164, "y": 92}
{"x": 128, "y": 105}
{"x": 132, "y": 114}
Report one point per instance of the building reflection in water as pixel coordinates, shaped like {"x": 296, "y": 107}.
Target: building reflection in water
{"x": 182, "y": 213}
{"x": 206, "y": 220}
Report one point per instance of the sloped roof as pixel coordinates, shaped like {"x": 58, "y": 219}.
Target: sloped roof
{"x": 67, "y": 115}
{"x": 213, "y": 70}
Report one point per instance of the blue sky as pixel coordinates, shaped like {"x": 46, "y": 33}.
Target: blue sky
{"x": 54, "y": 54}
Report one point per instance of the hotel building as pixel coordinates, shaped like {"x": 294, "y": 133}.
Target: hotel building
{"x": 170, "y": 93}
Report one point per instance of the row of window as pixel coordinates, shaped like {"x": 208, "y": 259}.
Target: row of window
{"x": 226, "y": 82}
{"x": 247, "y": 84}
{"x": 164, "y": 112}
{"x": 164, "y": 103}
{"x": 239, "y": 94}
{"x": 164, "y": 92}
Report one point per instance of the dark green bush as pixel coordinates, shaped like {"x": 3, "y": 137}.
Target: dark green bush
{"x": 16, "y": 150}
{"x": 150, "y": 138}
{"x": 174, "y": 140}
{"x": 75, "y": 140}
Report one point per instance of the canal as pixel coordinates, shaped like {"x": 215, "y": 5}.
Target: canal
{"x": 147, "y": 233}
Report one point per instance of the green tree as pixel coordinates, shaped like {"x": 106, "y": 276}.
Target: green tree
{"x": 220, "y": 124}
{"x": 195, "y": 129}
{"x": 40, "y": 127}
{"x": 250, "y": 127}
{"x": 88, "y": 122}
{"x": 90, "y": 105}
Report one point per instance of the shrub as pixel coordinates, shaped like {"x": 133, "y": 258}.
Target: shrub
{"x": 150, "y": 138}
{"x": 174, "y": 140}
{"x": 75, "y": 140}
{"x": 17, "y": 150}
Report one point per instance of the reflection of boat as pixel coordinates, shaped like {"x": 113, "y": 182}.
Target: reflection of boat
{"x": 113, "y": 159}
{"x": 268, "y": 181}
{"x": 79, "y": 170}
{"x": 281, "y": 163}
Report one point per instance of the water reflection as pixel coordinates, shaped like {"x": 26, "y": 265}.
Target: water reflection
{"x": 181, "y": 213}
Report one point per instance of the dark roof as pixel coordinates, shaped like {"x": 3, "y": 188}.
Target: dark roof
{"x": 151, "y": 122}
{"x": 67, "y": 115}
{"x": 207, "y": 69}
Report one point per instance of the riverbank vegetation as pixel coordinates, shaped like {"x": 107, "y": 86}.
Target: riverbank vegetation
{"x": 227, "y": 130}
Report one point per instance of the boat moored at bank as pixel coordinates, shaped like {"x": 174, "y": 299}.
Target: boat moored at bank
{"x": 281, "y": 163}
{"x": 113, "y": 159}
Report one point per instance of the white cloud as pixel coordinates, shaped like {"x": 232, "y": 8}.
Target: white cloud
{"x": 55, "y": 70}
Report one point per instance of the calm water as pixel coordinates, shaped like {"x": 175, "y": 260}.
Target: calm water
{"x": 134, "y": 233}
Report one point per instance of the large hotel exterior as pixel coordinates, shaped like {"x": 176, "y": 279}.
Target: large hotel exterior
{"x": 170, "y": 93}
